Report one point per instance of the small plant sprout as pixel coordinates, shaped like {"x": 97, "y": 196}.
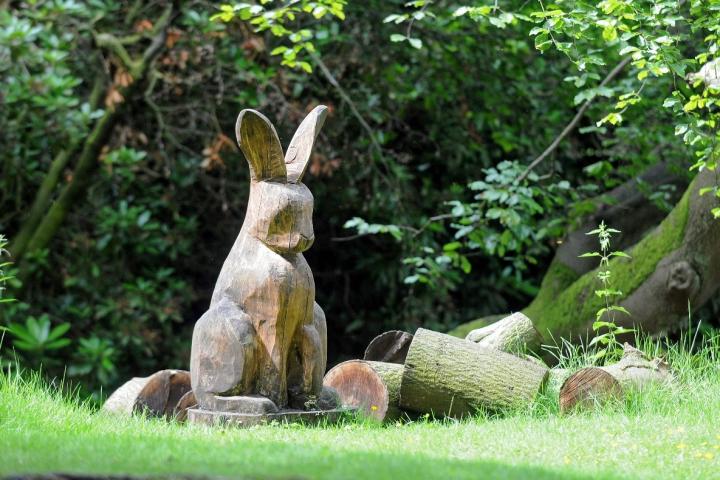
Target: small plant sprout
{"x": 4, "y": 276}
{"x": 606, "y": 330}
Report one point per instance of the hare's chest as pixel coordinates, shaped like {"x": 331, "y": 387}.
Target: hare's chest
{"x": 285, "y": 291}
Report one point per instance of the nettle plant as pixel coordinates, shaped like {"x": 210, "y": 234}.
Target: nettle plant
{"x": 4, "y": 275}
{"x": 605, "y": 344}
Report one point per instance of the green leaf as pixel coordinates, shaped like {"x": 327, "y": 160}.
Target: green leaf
{"x": 415, "y": 42}
{"x": 609, "y": 33}
{"x": 396, "y": 37}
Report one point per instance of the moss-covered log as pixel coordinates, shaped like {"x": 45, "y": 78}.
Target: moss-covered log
{"x": 513, "y": 334}
{"x": 676, "y": 263}
{"x": 372, "y": 387}
{"x": 448, "y": 376}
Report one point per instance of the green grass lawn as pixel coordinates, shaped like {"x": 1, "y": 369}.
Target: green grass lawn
{"x": 671, "y": 432}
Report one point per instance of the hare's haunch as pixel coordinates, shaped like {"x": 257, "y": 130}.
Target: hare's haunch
{"x": 262, "y": 346}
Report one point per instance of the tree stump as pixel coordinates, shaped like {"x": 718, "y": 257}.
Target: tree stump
{"x": 513, "y": 334}
{"x": 372, "y": 387}
{"x": 157, "y": 395}
{"x": 391, "y": 347}
{"x": 593, "y": 386}
{"x": 449, "y": 376}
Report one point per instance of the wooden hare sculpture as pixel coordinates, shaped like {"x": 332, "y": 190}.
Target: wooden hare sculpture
{"x": 262, "y": 344}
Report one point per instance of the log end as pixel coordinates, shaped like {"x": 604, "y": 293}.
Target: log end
{"x": 587, "y": 388}
{"x": 186, "y": 402}
{"x": 162, "y": 393}
{"x": 358, "y": 385}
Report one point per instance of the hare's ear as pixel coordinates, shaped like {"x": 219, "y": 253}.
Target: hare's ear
{"x": 259, "y": 142}
{"x": 301, "y": 145}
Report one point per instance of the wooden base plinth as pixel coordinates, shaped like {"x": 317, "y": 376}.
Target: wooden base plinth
{"x": 313, "y": 417}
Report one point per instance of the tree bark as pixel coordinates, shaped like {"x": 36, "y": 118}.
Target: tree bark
{"x": 593, "y": 386}
{"x": 372, "y": 387}
{"x": 449, "y": 376}
{"x": 675, "y": 264}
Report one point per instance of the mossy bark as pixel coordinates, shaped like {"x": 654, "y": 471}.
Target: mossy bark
{"x": 447, "y": 376}
{"x": 676, "y": 263}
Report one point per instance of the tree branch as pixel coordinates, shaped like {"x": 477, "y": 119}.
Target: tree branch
{"x": 573, "y": 123}
{"x": 92, "y": 146}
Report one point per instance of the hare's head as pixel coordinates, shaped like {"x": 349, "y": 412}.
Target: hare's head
{"x": 280, "y": 208}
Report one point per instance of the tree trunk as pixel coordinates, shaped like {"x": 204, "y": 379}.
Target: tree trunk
{"x": 372, "y": 387}
{"x": 43, "y": 222}
{"x": 445, "y": 375}
{"x": 597, "y": 385}
{"x": 675, "y": 264}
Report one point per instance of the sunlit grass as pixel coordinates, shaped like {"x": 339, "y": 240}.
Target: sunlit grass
{"x": 663, "y": 432}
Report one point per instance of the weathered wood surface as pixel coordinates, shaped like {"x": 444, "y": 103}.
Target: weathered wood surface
{"x": 157, "y": 395}
{"x": 372, "y": 387}
{"x": 391, "y": 347}
{"x": 513, "y": 334}
{"x": 313, "y": 417}
{"x": 262, "y": 347}
{"x": 185, "y": 403}
{"x": 445, "y": 375}
{"x": 597, "y": 385}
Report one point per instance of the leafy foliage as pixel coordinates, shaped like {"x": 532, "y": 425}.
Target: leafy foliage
{"x": 274, "y": 16}
{"x": 426, "y": 146}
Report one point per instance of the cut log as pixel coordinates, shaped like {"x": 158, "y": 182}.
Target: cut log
{"x": 390, "y": 347}
{"x": 372, "y": 387}
{"x": 186, "y": 402}
{"x": 555, "y": 381}
{"x": 513, "y": 334}
{"x": 593, "y": 386}
{"x": 123, "y": 399}
{"x": 449, "y": 376}
{"x": 157, "y": 395}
